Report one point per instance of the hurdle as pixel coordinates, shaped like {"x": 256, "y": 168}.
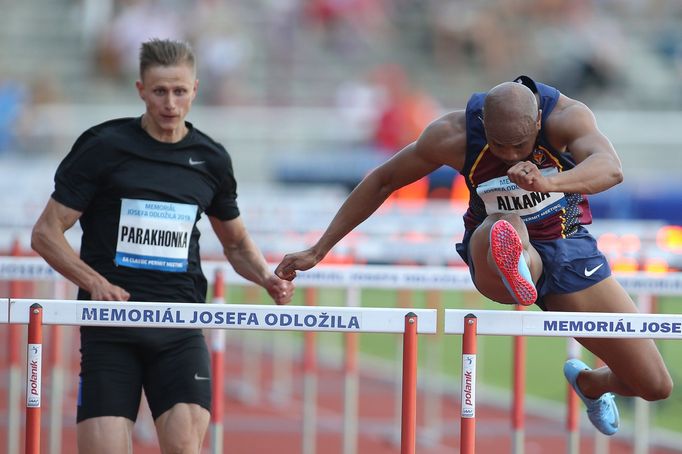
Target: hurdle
{"x": 409, "y": 322}
{"x": 217, "y": 350}
{"x": 470, "y": 324}
{"x": 643, "y": 286}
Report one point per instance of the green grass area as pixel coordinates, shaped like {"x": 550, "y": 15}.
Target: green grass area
{"x": 545, "y": 355}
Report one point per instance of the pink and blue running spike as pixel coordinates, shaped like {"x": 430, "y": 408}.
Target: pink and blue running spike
{"x": 507, "y": 252}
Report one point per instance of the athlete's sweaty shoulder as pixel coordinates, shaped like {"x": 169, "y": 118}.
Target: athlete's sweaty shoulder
{"x": 444, "y": 140}
{"x": 569, "y": 119}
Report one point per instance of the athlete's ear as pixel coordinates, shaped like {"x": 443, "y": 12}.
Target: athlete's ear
{"x": 538, "y": 122}
{"x": 140, "y": 88}
{"x": 196, "y": 89}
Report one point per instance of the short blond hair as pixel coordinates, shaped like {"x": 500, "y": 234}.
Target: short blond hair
{"x": 165, "y": 52}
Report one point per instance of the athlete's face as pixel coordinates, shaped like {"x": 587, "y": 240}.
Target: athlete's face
{"x": 512, "y": 141}
{"x": 168, "y": 92}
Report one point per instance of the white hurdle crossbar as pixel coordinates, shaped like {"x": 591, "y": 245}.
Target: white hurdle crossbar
{"x": 640, "y": 284}
{"x": 566, "y": 324}
{"x": 233, "y": 316}
{"x": 407, "y": 321}
{"x": 471, "y": 323}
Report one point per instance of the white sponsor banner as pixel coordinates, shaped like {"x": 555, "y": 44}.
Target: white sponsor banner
{"x": 226, "y": 316}
{"x": 566, "y": 324}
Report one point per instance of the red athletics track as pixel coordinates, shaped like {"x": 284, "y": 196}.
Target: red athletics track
{"x": 263, "y": 427}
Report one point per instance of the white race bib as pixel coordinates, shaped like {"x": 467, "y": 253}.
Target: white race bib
{"x": 500, "y": 195}
{"x": 154, "y": 235}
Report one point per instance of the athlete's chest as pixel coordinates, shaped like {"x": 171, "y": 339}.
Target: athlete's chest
{"x": 180, "y": 177}
{"x": 499, "y": 194}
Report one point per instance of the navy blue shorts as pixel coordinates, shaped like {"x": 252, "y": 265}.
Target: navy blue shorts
{"x": 569, "y": 264}
{"x": 171, "y": 365}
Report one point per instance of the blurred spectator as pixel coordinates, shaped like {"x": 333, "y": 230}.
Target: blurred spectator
{"x": 349, "y": 25}
{"x": 38, "y": 123}
{"x": 134, "y": 21}
{"x": 13, "y": 98}
{"x": 583, "y": 51}
{"x": 359, "y": 102}
{"x": 405, "y": 110}
{"x": 224, "y": 49}
{"x": 450, "y": 41}
{"x": 485, "y": 39}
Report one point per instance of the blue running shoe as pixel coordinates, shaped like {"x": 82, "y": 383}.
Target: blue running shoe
{"x": 602, "y": 412}
{"x": 507, "y": 252}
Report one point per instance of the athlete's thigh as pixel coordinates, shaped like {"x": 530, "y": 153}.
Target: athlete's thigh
{"x": 633, "y": 360}
{"x": 110, "y": 379}
{"x": 178, "y": 370}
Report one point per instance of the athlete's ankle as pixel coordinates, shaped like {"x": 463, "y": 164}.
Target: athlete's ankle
{"x": 584, "y": 383}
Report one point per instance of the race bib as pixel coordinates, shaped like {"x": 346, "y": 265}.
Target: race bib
{"x": 154, "y": 235}
{"x": 500, "y": 195}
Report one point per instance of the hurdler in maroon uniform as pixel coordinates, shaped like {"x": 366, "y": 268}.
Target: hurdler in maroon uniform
{"x": 530, "y": 155}
{"x": 558, "y": 219}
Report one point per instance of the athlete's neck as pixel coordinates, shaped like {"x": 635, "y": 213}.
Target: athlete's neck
{"x": 163, "y": 135}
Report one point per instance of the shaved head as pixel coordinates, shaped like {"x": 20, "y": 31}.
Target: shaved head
{"x": 510, "y": 113}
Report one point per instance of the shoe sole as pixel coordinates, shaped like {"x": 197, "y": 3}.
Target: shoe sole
{"x": 507, "y": 252}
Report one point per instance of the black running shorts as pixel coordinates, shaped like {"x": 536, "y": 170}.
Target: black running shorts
{"x": 171, "y": 365}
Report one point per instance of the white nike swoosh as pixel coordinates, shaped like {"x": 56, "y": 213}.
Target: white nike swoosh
{"x": 199, "y": 377}
{"x": 192, "y": 162}
{"x": 589, "y": 273}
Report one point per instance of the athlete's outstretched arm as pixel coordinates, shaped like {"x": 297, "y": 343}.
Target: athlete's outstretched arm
{"x": 48, "y": 240}
{"x": 247, "y": 259}
{"x": 441, "y": 143}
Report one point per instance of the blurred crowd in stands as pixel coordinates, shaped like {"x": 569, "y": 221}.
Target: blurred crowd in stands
{"x": 391, "y": 64}
{"x": 259, "y": 51}
{"x": 611, "y": 53}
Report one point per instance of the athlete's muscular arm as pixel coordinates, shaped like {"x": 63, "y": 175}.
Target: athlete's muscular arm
{"x": 48, "y": 240}
{"x": 442, "y": 142}
{"x": 598, "y": 167}
{"x": 247, "y": 259}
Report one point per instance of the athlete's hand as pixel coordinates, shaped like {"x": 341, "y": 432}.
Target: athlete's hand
{"x": 527, "y": 176}
{"x": 302, "y": 261}
{"x": 280, "y": 290}
{"x": 104, "y": 290}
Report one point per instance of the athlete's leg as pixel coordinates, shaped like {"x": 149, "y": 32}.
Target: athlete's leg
{"x": 634, "y": 367}
{"x": 487, "y": 276}
{"x": 178, "y": 388}
{"x": 109, "y": 392}
{"x": 105, "y": 435}
{"x": 181, "y": 429}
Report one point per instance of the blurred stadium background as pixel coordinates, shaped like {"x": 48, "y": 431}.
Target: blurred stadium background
{"x": 308, "y": 95}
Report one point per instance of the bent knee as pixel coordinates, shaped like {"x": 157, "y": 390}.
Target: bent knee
{"x": 659, "y": 388}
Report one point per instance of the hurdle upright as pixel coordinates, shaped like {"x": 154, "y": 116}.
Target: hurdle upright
{"x": 546, "y": 324}
{"x": 409, "y": 322}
